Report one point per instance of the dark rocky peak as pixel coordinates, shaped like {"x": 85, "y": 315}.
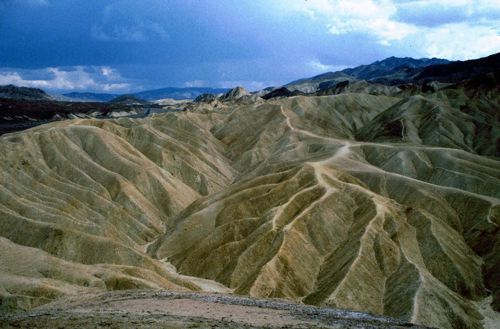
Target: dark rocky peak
{"x": 282, "y": 92}
{"x": 25, "y": 93}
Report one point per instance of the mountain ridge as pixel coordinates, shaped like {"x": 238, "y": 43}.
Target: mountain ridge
{"x": 177, "y": 93}
{"x": 23, "y": 93}
{"x": 375, "y": 71}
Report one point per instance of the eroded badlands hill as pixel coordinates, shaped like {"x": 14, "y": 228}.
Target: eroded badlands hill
{"x": 381, "y": 204}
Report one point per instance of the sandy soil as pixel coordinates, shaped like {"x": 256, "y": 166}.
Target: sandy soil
{"x": 167, "y": 309}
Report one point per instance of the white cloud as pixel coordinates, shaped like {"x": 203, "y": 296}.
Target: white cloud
{"x": 74, "y": 78}
{"x": 373, "y": 17}
{"x": 109, "y": 73}
{"x": 317, "y": 66}
{"x": 461, "y": 41}
{"x": 13, "y": 78}
{"x": 468, "y": 7}
{"x": 478, "y": 34}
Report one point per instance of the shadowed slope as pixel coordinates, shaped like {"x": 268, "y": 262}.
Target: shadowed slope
{"x": 449, "y": 118}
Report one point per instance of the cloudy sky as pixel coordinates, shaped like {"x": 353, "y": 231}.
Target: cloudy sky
{"x": 120, "y": 46}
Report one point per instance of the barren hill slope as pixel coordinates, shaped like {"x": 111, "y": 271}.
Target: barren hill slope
{"x": 321, "y": 199}
{"x": 170, "y": 309}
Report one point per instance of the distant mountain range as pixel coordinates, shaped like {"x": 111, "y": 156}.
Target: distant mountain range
{"x": 392, "y": 71}
{"x": 150, "y": 95}
{"x": 392, "y": 66}
{"x": 178, "y": 93}
{"x": 395, "y": 71}
{"x": 89, "y": 97}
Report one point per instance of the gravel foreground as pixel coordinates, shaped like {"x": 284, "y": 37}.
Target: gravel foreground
{"x": 167, "y": 309}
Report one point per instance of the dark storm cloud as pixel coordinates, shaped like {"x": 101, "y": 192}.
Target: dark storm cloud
{"x": 155, "y": 43}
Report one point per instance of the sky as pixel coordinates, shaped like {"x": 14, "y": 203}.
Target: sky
{"x": 121, "y": 46}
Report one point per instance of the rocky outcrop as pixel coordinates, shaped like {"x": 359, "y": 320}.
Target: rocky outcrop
{"x": 206, "y": 98}
{"x": 282, "y": 92}
{"x": 234, "y": 94}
